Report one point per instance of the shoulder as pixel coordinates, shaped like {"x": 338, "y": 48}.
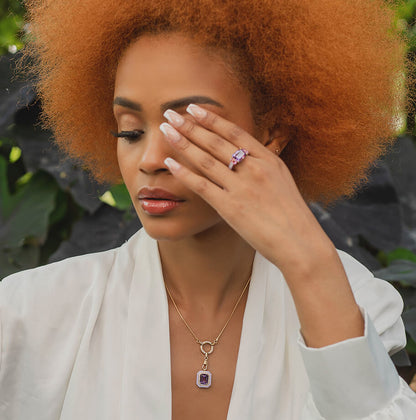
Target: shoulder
{"x": 73, "y": 273}
{"x": 362, "y": 280}
{"x": 357, "y": 273}
{"x": 71, "y": 277}
{"x": 46, "y": 309}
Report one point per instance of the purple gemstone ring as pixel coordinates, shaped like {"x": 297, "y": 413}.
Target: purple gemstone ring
{"x": 237, "y": 157}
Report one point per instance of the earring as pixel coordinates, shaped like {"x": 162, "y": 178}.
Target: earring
{"x": 277, "y": 150}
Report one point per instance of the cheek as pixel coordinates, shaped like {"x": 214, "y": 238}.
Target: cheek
{"x": 121, "y": 158}
{"x": 125, "y": 161}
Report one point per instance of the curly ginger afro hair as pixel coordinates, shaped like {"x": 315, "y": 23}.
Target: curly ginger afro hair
{"x": 326, "y": 70}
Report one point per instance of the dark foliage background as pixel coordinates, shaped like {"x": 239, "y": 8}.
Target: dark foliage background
{"x": 51, "y": 209}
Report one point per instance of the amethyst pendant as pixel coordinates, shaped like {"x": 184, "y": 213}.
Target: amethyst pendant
{"x": 203, "y": 379}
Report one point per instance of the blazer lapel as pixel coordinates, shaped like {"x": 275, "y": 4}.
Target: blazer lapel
{"x": 251, "y": 344}
{"x": 147, "y": 373}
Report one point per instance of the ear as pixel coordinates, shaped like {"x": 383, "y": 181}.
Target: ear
{"x": 275, "y": 139}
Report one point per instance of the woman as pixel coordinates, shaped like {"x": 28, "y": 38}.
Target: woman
{"x": 231, "y": 302}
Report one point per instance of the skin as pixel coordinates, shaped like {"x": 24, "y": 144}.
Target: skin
{"x": 207, "y": 245}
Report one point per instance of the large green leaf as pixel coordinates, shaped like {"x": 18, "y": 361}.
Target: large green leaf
{"x": 25, "y": 214}
{"x": 403, "y": 271}
{"x": 106, "y": 228}
{"x": 409, "y": 319}
{"x": 18, "y": 259}
{"x": 40, "y": 153}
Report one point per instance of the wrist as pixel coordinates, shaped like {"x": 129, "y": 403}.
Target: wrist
{"x": 313, "y": 262}
{"x": 325, "y": 303}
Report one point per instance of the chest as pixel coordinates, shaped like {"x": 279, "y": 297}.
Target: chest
{"x": 188, "y": 400}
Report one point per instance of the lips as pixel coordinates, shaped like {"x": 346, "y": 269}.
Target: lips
{"x": 157, "y": 194}
{"x": 156, "y": 201}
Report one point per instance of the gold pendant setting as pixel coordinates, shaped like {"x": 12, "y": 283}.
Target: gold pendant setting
{"x": 204, "y": 376}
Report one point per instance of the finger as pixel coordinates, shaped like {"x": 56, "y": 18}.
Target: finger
{"x": 227, "y": 130}
{"x": 210, "y": 142}
{"x": 202, "y": 161}
{"x": 211, "y": 193}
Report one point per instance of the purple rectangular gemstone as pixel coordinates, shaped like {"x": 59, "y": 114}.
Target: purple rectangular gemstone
{"x": 203, "y": 379}
{"x": 239, "y": 154}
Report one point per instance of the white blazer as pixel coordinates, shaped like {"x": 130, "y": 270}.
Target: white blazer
{"x": 88, "y": 338}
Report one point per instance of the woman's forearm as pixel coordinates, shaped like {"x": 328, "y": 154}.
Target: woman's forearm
{"x": 327, "y": 310}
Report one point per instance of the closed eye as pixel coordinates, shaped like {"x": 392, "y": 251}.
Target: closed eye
{"x": 130, "y": 136}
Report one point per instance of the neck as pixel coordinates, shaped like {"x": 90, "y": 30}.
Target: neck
{"x": 208, "y": 271}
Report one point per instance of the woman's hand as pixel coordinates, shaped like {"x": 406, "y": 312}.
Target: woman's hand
{"x": 260, "y": 200}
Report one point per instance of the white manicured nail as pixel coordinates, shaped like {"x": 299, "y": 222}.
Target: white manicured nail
{"x": 172, "y": 164}
{"x": 174, "y": 118}
{"x": 170, "y": 132}
{"x": 196, "y": 111}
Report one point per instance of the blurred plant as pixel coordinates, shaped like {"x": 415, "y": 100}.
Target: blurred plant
{"x": 11, "y": 26}
{"x": 405, "y": 22}
{"x": 50, "y": 208}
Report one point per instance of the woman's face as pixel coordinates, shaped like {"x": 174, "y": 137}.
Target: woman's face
{"x": 155, "y": 73}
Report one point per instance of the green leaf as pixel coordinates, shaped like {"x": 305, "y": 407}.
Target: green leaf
{"x": 25, "y": 214}
{"x": 15, "y": 154}
{"x": 411, "y": 345}
{"x": 409, "y": 319}
{"x": 61, "y": 208}
{"x": 18, "y": 259}
{"x": 403, "y": 271}
{"x": 121, "y": 197}
{"x": 10, "y": 26}
{"x": 400, "y": 254}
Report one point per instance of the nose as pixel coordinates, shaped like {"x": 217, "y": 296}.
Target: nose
{"x": 155, "y": 150}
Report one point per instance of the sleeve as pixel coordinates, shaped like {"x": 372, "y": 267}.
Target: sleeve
{"x": 355, "y": 379}
{"x": 1, "y": 332}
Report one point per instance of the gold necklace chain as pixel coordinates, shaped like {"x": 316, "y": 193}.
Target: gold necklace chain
{"x": 204, "y": 377}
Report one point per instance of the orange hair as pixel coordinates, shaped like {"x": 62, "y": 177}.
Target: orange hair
{"x": 327, "y": 70}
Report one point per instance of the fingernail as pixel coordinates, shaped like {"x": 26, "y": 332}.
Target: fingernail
{"x": 174, "y": 118}
{"x": 172, "y": 164}
{"x": 196, "y": 111}
{"x": 170, "y": 132}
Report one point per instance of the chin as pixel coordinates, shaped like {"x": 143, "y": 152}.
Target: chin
{"x": 163, "y": 229}
{"x": 160, "y": 234}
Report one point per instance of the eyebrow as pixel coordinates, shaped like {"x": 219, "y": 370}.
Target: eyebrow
{"x": 175, "y": 104}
